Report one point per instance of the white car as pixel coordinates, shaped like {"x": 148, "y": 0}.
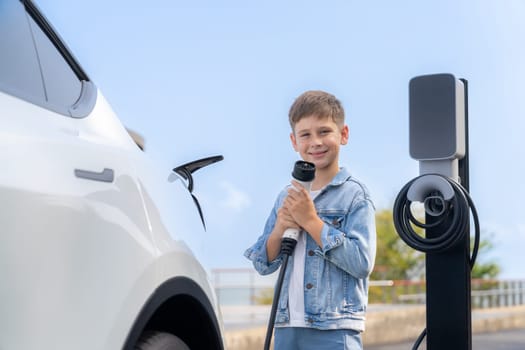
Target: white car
{"x": 91, "y": 232}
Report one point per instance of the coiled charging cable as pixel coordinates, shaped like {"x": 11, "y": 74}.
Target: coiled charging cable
{"x": 456, "y": 209}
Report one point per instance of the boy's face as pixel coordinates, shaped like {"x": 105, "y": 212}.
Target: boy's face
{"x": 318, "y": 139}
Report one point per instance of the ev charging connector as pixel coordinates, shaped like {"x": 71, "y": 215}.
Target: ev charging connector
{"x": 304, "y": 173}
{"x": 439, "y": 141}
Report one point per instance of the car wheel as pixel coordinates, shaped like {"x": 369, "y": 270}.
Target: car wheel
{"x": 160, "y": 341}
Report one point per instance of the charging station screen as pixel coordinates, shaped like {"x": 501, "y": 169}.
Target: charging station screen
{"x": 433, "y": 124}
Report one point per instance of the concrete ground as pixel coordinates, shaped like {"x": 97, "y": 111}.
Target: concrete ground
{"x": 245, "y": 327}
{"x": 501, "y": 340}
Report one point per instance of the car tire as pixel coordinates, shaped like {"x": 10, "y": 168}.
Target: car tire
{"x": 160, "y": 341}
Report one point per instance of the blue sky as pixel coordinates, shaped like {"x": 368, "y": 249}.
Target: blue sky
{"x": 203, "y": 78}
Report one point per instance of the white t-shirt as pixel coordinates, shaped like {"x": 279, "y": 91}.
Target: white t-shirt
{"x": 296, "y": 287}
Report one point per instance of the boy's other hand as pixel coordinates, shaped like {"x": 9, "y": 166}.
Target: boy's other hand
{"x": 300, "y": 204}
{"x": 285, "y": 219}
{"x": 302, "y": 209}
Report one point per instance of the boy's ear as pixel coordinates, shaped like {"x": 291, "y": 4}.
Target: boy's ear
{"x": 345, "y": 134}
{"x": 294, "y": 141}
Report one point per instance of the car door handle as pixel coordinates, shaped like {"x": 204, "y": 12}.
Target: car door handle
{"x": 107, "y": 175}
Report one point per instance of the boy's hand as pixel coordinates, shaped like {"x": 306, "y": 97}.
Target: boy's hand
{"x": 302, "y": 209}
{"x": 300, "y": 204}
{"x": 285, "y": 219}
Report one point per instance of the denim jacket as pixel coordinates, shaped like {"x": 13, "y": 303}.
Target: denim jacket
{"x": 336, "y": 274}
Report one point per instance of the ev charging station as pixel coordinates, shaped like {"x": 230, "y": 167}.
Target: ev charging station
{"x": 438, "y": 123}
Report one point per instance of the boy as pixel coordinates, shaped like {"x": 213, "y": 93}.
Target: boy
{"x": 325, "y": 288}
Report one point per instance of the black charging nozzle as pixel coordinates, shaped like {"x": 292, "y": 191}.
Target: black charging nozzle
{"x": 303, "y": 171}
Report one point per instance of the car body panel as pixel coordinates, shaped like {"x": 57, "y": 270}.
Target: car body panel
{"x": 81, "y": 256}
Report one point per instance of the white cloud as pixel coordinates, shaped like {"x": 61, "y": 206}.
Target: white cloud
{"x": 234, "y": 198}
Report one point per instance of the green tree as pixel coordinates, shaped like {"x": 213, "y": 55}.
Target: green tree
{"x": 394, "y": 259}
{"x": 485, "y": 268}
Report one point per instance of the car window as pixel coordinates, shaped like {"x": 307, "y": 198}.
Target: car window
{"x": 35, "y": 65}
{"x": 19, "y": 71}
{"x": 62, "y": 87}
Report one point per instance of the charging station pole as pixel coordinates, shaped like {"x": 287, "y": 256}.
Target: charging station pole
{"x": 439, "y": 140}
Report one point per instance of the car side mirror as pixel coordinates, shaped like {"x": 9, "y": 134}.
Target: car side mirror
{"x": 186, "y": 171}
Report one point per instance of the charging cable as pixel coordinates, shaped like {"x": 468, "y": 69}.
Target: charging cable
{"x": 287, "y": 247}
{"x": 443, "y": 199}
{"x": 304, "y": 173}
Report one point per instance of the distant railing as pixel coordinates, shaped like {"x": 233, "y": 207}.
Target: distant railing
{"x": 484, "y": 293}
{"x": 244, "y": 286}
{"x": 502, "y": 293}
{"x": 241, "y": 286}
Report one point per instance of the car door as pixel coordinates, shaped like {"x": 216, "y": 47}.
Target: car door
{"x": 74, "y": 234}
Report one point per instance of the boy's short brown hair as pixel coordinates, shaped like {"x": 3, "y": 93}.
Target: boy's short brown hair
{"x": 318, "y": 103}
